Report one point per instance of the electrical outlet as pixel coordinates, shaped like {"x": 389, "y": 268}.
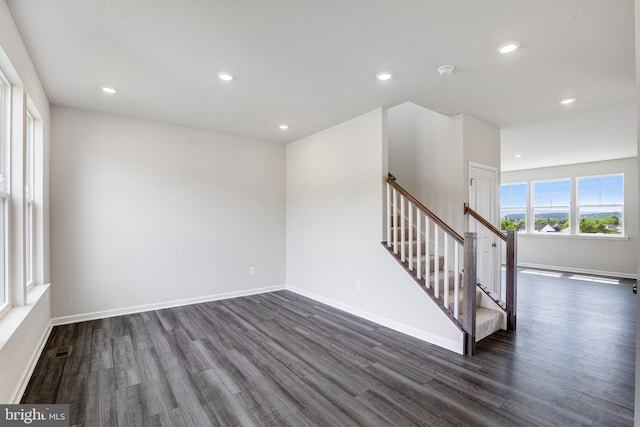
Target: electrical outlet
{"x": 358, "y": 285}
{"x": 252, "y": 271}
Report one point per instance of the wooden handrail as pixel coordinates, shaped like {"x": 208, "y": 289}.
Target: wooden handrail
{"x": 481, "y": 220}
{"x": 392, "y": 181}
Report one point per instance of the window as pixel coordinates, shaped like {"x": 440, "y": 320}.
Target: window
{"x": 551, "y": 206}
{"x": 29, "y": 191}
{"x": 601, "y": 204}
{"x": 5, "y": 132}
{"x": 513, "y": 207}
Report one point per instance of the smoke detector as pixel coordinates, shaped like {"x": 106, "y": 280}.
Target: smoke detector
{"x": 445, "y": 70}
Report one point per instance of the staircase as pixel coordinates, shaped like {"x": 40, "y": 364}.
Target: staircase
{"x": 430, "y": 251}
{"x": 488, "y": 320}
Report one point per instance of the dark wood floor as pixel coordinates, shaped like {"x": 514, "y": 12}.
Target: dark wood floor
{"x": 281, "y": 359}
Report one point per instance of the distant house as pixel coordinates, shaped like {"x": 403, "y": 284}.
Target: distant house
{"x": 614, "y": 228}
{"x": 548, "y": 228}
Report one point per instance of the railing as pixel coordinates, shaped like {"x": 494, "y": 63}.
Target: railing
{"x": 416, "y": 236}
{"x": 509, "y": 238}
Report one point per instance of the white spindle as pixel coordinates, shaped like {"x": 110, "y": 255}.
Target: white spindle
{"x": 410, "y": 236}
{"x": 395, "y": 221}
{"x": 456, "y": 280}
{"x": 418, "y": 245}
{"x": 427, "y": 251}
{"x": 389, "y": 213}
{"x": 445, "y": 271}
{"x": 436, "y": 264}
{"x": 402, "y": 228}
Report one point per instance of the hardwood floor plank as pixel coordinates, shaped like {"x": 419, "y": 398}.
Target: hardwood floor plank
{"x": 223, "y": 405}
{"x": 101, "y": 403}
{"x": 101, "y": 350}
{"x": 124, "y": 363}
{"x": 183, "y": 387}
{"x": 392, "y": 413}
{"x": 132, "y": 411}
{"x": 474, "y": 407}
{"x": 603, "y": 405}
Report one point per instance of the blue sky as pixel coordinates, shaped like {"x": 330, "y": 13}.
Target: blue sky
{"x": 600, "y": 190}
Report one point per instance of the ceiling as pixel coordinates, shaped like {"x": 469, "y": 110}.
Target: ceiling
{"x": 312, "y": 64}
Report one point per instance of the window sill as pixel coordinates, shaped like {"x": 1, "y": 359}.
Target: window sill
{"x": 15, "y": 316}
{"x": 574, "y": 236}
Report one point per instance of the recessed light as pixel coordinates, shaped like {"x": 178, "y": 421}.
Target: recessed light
{"x": 508, "y": 47}
{"x": 567, "y": 101}
{"x": 384, "y": 75}
{"x": 283, "y": 126}
{"x": 517, "y": 156}
{"x": 109, "y": 90}
{"x": 223, "y": 75}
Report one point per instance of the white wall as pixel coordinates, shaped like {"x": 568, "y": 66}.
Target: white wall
{"x": 481, "y": 143}
{"x": 24, "y": 329}
{"x": 429, "y": 154}
{"x": 148, "y": 214}
{"x": 481, "y": 146}
{"x": 607, "y": 256}
{"x": 335, "y": 195}
{"x": 425, "y": 155}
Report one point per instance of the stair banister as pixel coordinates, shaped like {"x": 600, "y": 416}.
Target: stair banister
{"x": 404, "y": 210}
{"x": 511, "y": 280}
{"x": 469, "y": 298}
{"x": 437, "y": 247}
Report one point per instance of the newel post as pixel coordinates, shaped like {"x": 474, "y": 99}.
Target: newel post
{"x": 512, "y": 279}
{"x": 469, "y": 300}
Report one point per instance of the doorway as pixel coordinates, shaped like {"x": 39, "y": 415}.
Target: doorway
{"x": 483, "y": 186}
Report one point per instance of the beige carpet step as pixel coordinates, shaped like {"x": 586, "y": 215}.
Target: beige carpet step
{"x": 461, "y": 297}
{"x": 433, "y": 261}
{"x": 441, "y": 277}
{"x": 488, "y": 321}
{"x": 414, "y": 244}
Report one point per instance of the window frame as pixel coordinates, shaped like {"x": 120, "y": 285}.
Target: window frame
{"x": 525, "y": 208}
{"x": 568, "y": 230}
{"x": 29, "y": 197}
{"x": 33, "y": 175}
{"x": 6, "y": 90}
{"x": 579, "y": 205}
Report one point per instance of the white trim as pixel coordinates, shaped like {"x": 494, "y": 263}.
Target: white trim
{"x": 456, "y": 347}
{"x": 481, "y": 166}
{"x": 592, "y": 236}
{"x": 16, "y": 397}
{"x": 579, "y": 270}
{"x": 14, "y": 317}
{"x": 63, "y": 320}
{"x": 9, "y": 324}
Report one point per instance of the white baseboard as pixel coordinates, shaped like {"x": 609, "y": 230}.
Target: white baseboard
{"x": 17, "y": 395}
{"x": 579, "y": 270}
{"x": 456, "y": 347}
{"x": 63, "y": 320}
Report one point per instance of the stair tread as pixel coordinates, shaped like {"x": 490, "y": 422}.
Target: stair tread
{"x": 485, "y": 313}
